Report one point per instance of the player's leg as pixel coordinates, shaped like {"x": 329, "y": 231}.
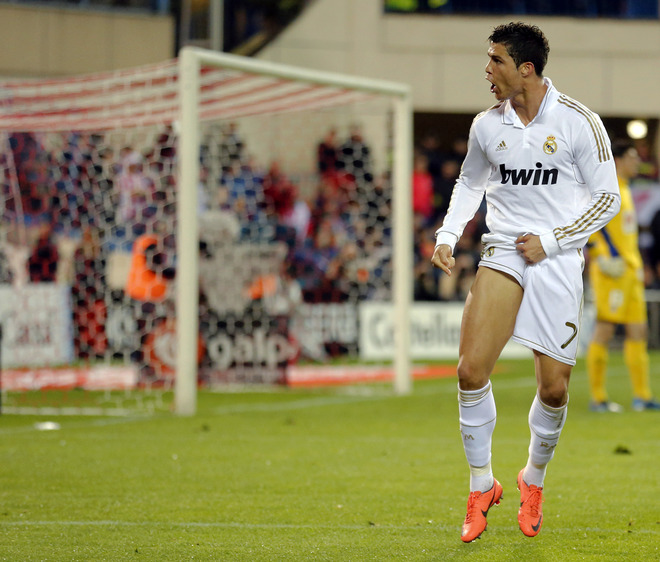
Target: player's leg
{"x": 597, "y": 359}
{"x": 636, "y": 356}
{"x": 608, "y": 299}
{"x": 635, "y": 346}
{"x": 488, "y": 321}
{"x": 546, "y": 421}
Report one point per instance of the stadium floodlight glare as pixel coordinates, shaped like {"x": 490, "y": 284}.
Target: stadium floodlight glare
{"x": 637, "y": 129}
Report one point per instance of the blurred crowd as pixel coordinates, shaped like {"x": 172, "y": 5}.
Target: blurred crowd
{"x": 337, "y": 235}
{"x": 81, "y": 200}
{"x": 74, "y": 203}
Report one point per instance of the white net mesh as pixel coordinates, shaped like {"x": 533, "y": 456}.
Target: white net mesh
{"x": 294, "y": 228}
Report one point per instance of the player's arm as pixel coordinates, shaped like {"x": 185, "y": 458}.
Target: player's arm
{"x": 465, "y": 200}
{"x": 594, "y": 161}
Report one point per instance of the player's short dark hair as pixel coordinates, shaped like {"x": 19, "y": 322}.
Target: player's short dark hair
{"x": 621, "y": 146}
{"x": 524, "y": 43}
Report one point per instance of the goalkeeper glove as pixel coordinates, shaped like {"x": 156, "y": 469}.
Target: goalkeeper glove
{"x": 612, "y": 266}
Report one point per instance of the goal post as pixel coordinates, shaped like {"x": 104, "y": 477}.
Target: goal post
{"x": 191, "y": 60}
{"x": 197, "y": 223}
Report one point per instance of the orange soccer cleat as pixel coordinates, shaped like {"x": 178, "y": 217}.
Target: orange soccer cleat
{"x": 477, "y": 509}
{"x": 530, "y": 514}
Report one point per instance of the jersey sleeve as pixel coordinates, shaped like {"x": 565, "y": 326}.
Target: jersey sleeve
{"x": 468, "y": 192}
{"x": 594, "y": 161}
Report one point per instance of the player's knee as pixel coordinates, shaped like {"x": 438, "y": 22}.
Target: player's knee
{"x": 471, "y": 376}
{"x": 554, "y": 394}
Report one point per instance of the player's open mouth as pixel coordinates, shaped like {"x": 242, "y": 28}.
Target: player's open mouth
{"x": 492, "y": 88}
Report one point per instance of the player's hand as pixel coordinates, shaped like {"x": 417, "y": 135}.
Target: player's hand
{"x": 611, "y": 266}
{"x": 443, "y": 259}
{"x": 530, "y": 248}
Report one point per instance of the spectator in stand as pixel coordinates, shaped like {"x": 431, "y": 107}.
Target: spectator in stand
{"x": 325, "y": 248}
{"x": 449, "y": 171}
{"x": 73, "y": 201}
{"x": 231, "y": 146}
{"x": 245, "y": 196}
{"x": 354, "y": 156}
{"x": 425, "y": 276}
{"x": 42, "y": 264}
{"x": 338, "y": 216}
{"x": 165, "y": 150}
{"x": 279, "y": 191}
{"x": 459, "y": 148}
{"x": 299, "y": 217}
{"x": 338, "y": 283}
{"x": 376, "y": 264}
{"x": 135, "y": 192}
{"x": 422, "y": 187}
{"x": 313, "y": 260}
{"x": 150, "y": 286}
{"x": 377, "y": 206}
{"x": 326, "y": 193}
{"x": 327, "y": 154}
{"x": 88, "y": 297}
{"x": 429, "y": 145}
{"x": 31, "y": 163}
{"x": 648, "y": 166}
{"x": 289, "y": 214}
{"x": 152, "y": 269}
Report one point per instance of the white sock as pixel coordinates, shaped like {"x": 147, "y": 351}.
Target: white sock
{"x": 477, "y": 415}
{"x": 545, "y": 425}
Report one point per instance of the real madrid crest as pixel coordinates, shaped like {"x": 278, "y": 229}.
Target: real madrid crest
{"x": 550, "y": 145}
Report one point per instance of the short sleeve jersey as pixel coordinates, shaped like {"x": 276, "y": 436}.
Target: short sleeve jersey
{"x": 554, "y": 177}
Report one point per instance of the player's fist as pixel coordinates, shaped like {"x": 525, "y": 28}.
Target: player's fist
{"x": 443, "y": 259}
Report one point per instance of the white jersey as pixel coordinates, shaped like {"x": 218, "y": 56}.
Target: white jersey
{"x": 554, "y": 177}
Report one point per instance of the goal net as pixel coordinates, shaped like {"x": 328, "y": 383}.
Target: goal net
{"x": 205, "y": 221}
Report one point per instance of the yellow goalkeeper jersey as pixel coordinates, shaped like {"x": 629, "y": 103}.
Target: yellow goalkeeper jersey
{"x": 619, "y": 237}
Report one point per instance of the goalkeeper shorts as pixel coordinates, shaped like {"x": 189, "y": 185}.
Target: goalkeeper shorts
{"x": 548, "y": 320}
{"x": 619, "y": 300}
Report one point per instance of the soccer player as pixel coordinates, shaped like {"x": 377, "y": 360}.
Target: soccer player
{"x": 616, "y": 275}
{"x": 543, "y": 162}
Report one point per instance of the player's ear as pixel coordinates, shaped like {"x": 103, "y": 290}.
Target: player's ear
{"x": 527, "y": 69}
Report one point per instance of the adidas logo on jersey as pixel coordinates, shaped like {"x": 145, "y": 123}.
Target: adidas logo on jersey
{"x": 539, "y": 176}
{"x": 501, "y": 146}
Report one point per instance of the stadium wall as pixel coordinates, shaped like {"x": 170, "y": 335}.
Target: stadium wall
{"x": 607, "y": 64}
{"x": 42, "y": 42}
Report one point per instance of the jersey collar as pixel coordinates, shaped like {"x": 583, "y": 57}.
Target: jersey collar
{"x": 510, "y": 117}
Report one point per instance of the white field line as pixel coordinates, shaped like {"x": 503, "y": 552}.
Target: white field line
{"x": 346, "y": 395}
{"x": 284, "y": 526}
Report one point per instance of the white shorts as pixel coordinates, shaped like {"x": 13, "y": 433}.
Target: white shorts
{"x": 549, "y": 316}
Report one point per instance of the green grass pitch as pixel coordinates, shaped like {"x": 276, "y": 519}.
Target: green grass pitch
{"x": 351, "y": 473}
